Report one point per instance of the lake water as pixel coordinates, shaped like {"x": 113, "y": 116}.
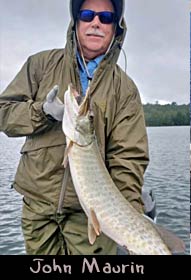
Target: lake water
{"x": 168, "y": 175}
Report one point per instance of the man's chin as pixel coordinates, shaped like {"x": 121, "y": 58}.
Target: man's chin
{"x": 94, "y": 47}
{"x": 90, "y": 54}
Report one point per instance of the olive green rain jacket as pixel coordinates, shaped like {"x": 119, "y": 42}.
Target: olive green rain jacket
{"x": 119, "y": 124}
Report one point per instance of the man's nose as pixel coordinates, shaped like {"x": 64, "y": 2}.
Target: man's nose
{"x": 96, "y": 21}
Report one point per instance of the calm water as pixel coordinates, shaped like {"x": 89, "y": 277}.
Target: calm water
{"x": 168, "y": 175}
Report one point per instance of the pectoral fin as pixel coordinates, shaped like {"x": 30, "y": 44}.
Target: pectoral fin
{"x": 67, "y": 150}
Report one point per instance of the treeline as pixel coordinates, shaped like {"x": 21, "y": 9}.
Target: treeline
{"x": 167, "y": 115}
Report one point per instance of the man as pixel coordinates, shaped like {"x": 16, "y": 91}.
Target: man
{"x": 53, "y": 221}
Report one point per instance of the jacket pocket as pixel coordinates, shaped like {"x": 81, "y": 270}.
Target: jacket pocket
{"x": 49, "y": 139}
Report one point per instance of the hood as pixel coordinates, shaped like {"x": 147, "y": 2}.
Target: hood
{"x": 119, "y": 6}
{"x": 114, "y": 52}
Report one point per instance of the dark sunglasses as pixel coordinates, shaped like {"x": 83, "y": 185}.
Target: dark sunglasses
{"x": 104, "y": 17}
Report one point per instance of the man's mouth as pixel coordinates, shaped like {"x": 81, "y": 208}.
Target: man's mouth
{"x": 95, "y": 35}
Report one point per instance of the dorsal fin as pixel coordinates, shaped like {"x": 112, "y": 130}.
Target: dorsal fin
{"x": 173, "y": 242}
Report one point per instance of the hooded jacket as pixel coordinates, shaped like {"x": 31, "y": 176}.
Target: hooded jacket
{"x": 118, "y": 120}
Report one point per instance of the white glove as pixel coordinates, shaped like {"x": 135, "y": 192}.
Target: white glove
{"x": 53, "y": 106}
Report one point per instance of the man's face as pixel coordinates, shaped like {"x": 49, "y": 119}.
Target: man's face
{"x": 93, "y": 44}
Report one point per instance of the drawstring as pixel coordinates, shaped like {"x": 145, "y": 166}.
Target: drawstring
{"x": 83, "y": 59}
{"x": 120, "y": 47}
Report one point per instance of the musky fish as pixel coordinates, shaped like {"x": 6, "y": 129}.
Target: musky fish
{"x": 106, "y": 208}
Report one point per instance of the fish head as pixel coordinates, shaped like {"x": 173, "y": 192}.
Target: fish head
{"x": 77, "y": 123}
{"x": 84, "y": 129}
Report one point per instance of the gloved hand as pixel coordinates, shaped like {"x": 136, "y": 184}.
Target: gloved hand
{"x": 53, "y": 106}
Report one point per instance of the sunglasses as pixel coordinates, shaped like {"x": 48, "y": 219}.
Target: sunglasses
{"x": 105, "y": 17}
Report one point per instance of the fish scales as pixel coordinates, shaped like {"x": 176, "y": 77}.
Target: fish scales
{"x": 117, "y": 218}
{"x": 96, "y": 190}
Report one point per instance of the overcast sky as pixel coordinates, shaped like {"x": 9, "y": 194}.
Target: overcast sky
{"x": 156, "y": 45}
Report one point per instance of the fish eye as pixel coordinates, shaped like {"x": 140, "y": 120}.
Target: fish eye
{"x": 91, "y": 117}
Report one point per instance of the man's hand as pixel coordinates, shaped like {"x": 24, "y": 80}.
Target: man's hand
{"x": 53, "y": 106}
